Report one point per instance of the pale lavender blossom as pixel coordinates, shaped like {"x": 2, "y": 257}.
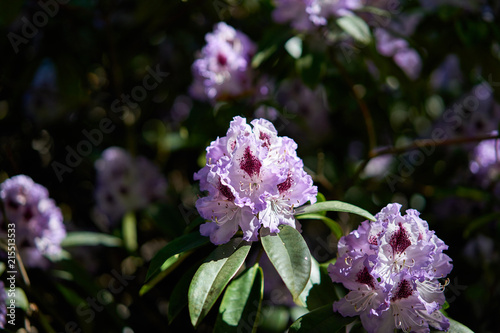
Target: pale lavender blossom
{"x": 38, "y": 222}
{"x": 307, "y": 15}
{"x": 398, "y": 48}
{"x": 392, "y": 268}
{"x": 125, "y": 183}
{"x": 254, "y": 179}
{"x": 391, "y": 42}
{"x": 485, "y": 161}
{"x": 223, "y": 69}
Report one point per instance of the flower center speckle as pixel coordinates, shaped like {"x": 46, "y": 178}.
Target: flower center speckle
{"x": 265, "y": 137}
{"x": 365, "y": 277}
{"x": 400, "y": 240}
{"x": 226, "y": 192}
{"x": 249, "y": 163}
{"x": 403, "y": 290}
{"x": 285, "y": 186}
{"x": 221, "y": 59}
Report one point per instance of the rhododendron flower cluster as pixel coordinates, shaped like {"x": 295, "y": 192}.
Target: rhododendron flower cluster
{"x": 125, "y": 183}
{"x": 254, "y": 179}
{"x": 485, "y": 161}
{"x": 393, "y": 268}
{"x": 306, "y": 15}
{"x": 3, "y": 305}
{"x": 223, "y": 70}
{"x": 39, "y": 227}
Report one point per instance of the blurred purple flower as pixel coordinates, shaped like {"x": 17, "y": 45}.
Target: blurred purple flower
{"x": 392, "y": 267}
{"x": 306, "y": 15}
{"x": 485, "y": 161}
{"x": 125, "y": 183}
{"x": 378, "y": 167}
{"x": 253, "y": 178}
{"x": 405, "y": 57}
{"x": 448, "y": 75}
{"x": 475, "y": 113}
{"x": 267, "y": 112}
{"x": 38, "y": 221}
{"x": 3, "y": 305}
{"x": 223, "y": 70}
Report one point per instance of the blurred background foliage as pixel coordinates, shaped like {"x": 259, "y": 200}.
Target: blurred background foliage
{"x": 64, "y": 78}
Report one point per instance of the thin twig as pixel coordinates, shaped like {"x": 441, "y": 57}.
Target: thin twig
{"x": 416, "y": 145}
{"x": 430, "y": 143}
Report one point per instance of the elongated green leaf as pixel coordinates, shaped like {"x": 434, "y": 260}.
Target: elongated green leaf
{"x": 321, "y": 320}
{"x": 240, "y": 307}
{"x": 334, "y": 206}
{"x": 21, "y": 301}
{"x": 480, "y": 222}
{"x": 333, "y": 225}
{"x": 213, "y": 276}
{"x": 289, "y": 254}
{"x": 160, "y": 261}
{"x": 320, "y": 197}
{"x": 263, "y": 55}
{"x": 355, "y": 27}
{"x": 85, "y": 238}
{"x": 129, "y": 227}
{"x": 168, "y": 266}
{"x": 456, "y": 327}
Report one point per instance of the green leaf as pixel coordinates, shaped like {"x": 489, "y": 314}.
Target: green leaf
{"x": 456, "y": 327}
{"x": 274, "y": 318}
{"x": 240, "y": 306}
{"x": 334, "y": 206}
{"x": 129, "y": 228}
{"x": 480, "y": 222}
{"x": 333, "y": 225}
{"x": 213, "y": 276}
{"x": 168, "y": 266}
{"x": 355, "y": 27}
{"x": 323, "y": 291}
{"x": 263, "y": 55}
{"x": 321, "y": 320}
{"x": 21, "y": 301}
{"x": 161, "y": 261}
{"x": 289, "y": 254}
{"x": 86, "y": 238}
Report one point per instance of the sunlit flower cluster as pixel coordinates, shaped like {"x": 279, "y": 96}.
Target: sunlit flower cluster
{"x": 254, "y": 179}
{"x": 39, "y": 228}
{"x": 223, "y": 69}
{"x": 393, "y": 268}
{"x": 306, "y": 15}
